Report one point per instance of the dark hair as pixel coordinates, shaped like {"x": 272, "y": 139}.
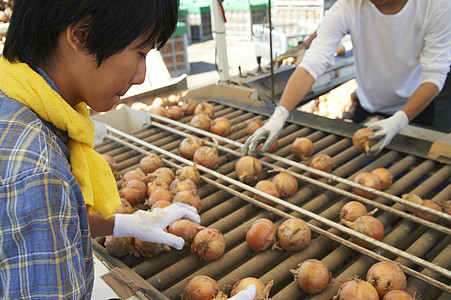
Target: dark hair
{"x": 113, "y": 25}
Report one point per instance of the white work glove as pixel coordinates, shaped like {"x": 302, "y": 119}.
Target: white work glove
{"x": 386, "y": 129}
{"x": 247, "y": 294}
{"x": 148, "y": 226}
{"x": 270, "y": 131}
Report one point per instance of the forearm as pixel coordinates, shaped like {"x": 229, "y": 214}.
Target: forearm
{"x": 99, "y": 226}
{"x": 297, "y": 87}
{"x": 420, "y": 99}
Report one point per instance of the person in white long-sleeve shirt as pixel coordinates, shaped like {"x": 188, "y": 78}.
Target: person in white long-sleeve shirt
{"x": 402, "y": 51}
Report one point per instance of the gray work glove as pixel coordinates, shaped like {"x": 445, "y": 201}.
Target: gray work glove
{"x": 149, "y": 226}
{"x": 386, "y": 129}
{"x": 270, "y": 131}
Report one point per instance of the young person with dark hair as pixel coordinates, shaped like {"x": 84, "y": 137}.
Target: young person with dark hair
{"x": 55, "y": 191}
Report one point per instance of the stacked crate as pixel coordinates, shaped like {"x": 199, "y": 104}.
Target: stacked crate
{"x": 174, "y": 53}
{"x": 241, "y": 16}
{"x": 200, "y": 23}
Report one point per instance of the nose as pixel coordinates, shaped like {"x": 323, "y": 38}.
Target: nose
{"x": 140, "y": 72}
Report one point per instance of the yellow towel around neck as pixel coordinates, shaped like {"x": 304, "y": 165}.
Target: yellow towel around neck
{"x": 21, "y": 83}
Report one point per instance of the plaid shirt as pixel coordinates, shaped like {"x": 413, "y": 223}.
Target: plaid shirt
{"x": 45, "y": 244}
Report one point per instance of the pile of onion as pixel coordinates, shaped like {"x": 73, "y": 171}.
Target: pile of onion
{"x": 356, "y": 288}
{"x": 206, "y": 156}
{"x": 205, "y": 109}
{"x": 285, "y": 184}
{"x": 220, "y": 126}
{"x": 185, "y": 229}
{"x": 118, "y": 247}
{"x": 132, "y": 174}
{"x": 188, "y": 106}
{"x": 189, "y": 172}
{"x": 253, "y": 125}
{"x": 156, "y": 185}
{"x": 175, "y": 112}
{"x": 134, "y": 192}
{"x": 183, "y": 185}
{"x": 159, "y": 195}
{"x": 150, "y": 163}
{"x": 384, "y": 176}
{"x": 369, "y": 180}
{"x": 208, "y": 244}
{"x": 189, "y": 198}
{"x": 111, "y": 162}
{"x": 312, "y": 276}
{"x": 269, "y": 188}
{"x": 163, "y": 174}
{"x": 270, "y": 149}
{"x": 261, "y": 235}
{"x": 360, "y": 140}
{"x": 352, "y": 210}
{"x": 148, "y": 249}
{"x": 294, "y": 234}
{"x": 262, "y": 291}
{"x": 201, "y": 121}
{"x": 398, "y": 295}
{"x": 200, "y": 287}
{"x": 369, "y": 226}
{"x": 386, "y": 276}
{"x": 322, "y": 162}
{"x": 302, "y": 148}
{"x": 124, "y": 208}
{"x": 248, "y": 169}
{"x": 189, "y": 145}
{"x": 160, "y": 111}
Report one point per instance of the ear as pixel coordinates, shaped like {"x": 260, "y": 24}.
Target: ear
{"x": 77, "y": 33}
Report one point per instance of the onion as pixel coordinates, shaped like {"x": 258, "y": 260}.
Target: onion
{"x": 188, "y": 106}
{"x": 189, "y": 145}
{"x": 200, "y": 287}
{"x": 220, "y": 126}
{"x": 150, "y": 163}
{"x": 369, "y": 180}
{"x": 384, "y": 176}
{"x": 124, "y": 208}
{"x": 360, "y": 140}
{"x": 427, "y": 216}
{"x": 208, "y": 244}
{"x": 139, "y": 106}
{"x": 160, "y": 111}
{"x": 175, "y": 112}
{"x": 352, "y": 210}
{"x": 173, "y": 100}
{"x": 243, "y": 283}
{"x": 447, "y": 209}
{"x": 261, "y": 235}
{"x": 248, "y": 169}
{"x": 356, "y": 288}
{"x": 118, "y": 247}
{"x": 132, "y": 174}
{"x": 111, "y": 162}
{"x": 386, "y": 276}
{"x": 312, "y": 276}
{"x": 148, "y": 249}
{"x": 397, "y": 295}
{"x": 294, "y": 234}
{"x": 253, "y": 125}
{"x": 160, "y": 204}
{"x": 189, "y": 198}
{"x": 183, "y": 185}
{"x": 414, "y": 199}
{"x": 267, "y": 187}
{"x": 156, "y": 185}
{"x": 134, "y": 192}
{"x": 201, "y": 121}
{"x": 369, "y": 226}
{"x": 322, "y": 162}
{"x": 159, "y": 102}
{"x": 205, "y": 108}
{"x": 302, "y": 148}
{"x": 285, "y": 184}
{"x": 185, "y": 229}
{"x": 158, "y": 195}
{"x": 270, "y": 149}
{"x": 163, "y": 174}
{"x": 207, "y": 157}
{"x": 189, "y": 172}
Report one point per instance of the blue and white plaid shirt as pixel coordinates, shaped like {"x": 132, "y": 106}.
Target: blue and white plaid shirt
{"x": 45, "y": 244}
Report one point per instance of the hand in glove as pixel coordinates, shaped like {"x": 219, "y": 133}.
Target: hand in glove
{"x": 148, "y": 226}
{"x": 247, "y": 294}
{"x": 270, "y": 131}
{"x": 386, "y": 129}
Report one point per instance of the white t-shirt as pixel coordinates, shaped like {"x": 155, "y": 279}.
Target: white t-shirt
{"x": 393, "y": 54}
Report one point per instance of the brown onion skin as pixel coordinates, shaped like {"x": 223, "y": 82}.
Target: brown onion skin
{"x": 200, "y": 287}
{"x": 205, "y": 108}
{"x": 285, "y": 184}
{"x": 271, "y": 149}
{"x": 132, "y": 174}
{"x": 134, "y": 192}
{"x": 158, "y": 195}
{"x": 160, "y": 204}
{"x": 369, "y": 180}
{"x": 261, "y": 235}
{"x": 124, "y": 208}
{"x": 150, "y": 163}
{"x": 384, "y": 176}
{"x": 189, "y": 145}
{"x": 360, "y": 140}
{"x": 188, "y": 106}
{"x": 162, "y": 112}
{"x": 182, "y": 185}
{"x": 369, "y": 226}
{"x": 185, "y": 229}
{"x": 243, "y": 283}
{"x": 159, "y": 102}
{"x": 312, "y": 276}
{"x": 356, "y": 289}
{"x": 201, "y": 121}
{"x": 175, "y": 112}
{"x": 156, "y": 185}
{"x": 220, "y": 126}
{"x": 269, "y": 188}
{"x": 352, "y": 210}
{"x": 397, "y": 295}
{"x": 253, "y": 125}
{"x": 207, "y": 157}
{"x": 163, "y": 174}
{"x": 294, "y": 235}
{"x": 148, "y": 249}
{"x": 302, "y": 148}
{"x": 189, "y": 172}
{"x": 118, "y": 247}
{"x": 322, "y": 162}
{"x": 427, "y": 216}
{"x": 248, "y": 169}
{"x": 189, "y": 198}
{"x": 386, "y": 276}
{"x": 208, "y": 244}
